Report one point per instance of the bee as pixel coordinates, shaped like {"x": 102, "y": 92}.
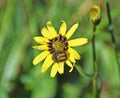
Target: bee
{"x": 59, "y": 56}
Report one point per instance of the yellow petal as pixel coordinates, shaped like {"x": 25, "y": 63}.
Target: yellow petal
{"x": 61, "y": 67}
{"x": 40, "y": 40}
{"x": 54, "y": 70}
{"x": 78, "y": 42}
{"x": 41, "y": 47}
{"x": 47, "y": 63}
{"x": 46, "y": 33}
{"x": 70, "y": 65}
{"x": 74, "y": 53}
{"x": 40, "y": 57}
{"x": 63, "y": 27}
{"x": 51, "y": 29}
{"x": 72, "y": 30}
{"x": 71, "y": 58}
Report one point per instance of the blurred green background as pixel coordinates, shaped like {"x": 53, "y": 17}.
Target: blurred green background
{"x": 20, "y": 20}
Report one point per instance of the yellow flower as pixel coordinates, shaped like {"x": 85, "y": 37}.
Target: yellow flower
{"x": 57, "y": 48}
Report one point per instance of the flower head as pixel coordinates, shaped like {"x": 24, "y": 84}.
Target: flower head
{"x": 57, "y": 48}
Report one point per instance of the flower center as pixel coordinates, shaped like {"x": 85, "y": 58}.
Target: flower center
{"x": 58, "y": 47}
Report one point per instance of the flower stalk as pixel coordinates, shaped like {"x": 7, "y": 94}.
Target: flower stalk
{"x": 95, "y": 18}
{"x": 110, "y": 27}
{"x": 83, "y": 73}
{"x": 95, "y": 88}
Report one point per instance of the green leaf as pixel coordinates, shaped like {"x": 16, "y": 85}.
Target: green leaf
{"x": 81, "y": 72}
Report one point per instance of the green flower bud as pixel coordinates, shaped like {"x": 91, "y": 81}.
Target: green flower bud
{"x": 95, "y": 14}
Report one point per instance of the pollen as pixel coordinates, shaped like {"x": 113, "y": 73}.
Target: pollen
{"x": 59, "y": 43}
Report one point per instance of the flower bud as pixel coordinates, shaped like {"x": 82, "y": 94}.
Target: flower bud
{"x": 95, "y": 14}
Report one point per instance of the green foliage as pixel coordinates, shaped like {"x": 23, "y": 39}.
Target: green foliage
{"x": 20, "y": 20}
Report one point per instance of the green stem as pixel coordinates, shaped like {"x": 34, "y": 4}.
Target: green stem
{"x": 93, "y": 47}
{"x": 83, "y": 73}
{"x": 112, "y": 33}
{"x": 95, "y": 88}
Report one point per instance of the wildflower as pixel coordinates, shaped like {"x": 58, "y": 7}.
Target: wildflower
{"x": 57, "y": 48}
{"x": 95, "y": 14}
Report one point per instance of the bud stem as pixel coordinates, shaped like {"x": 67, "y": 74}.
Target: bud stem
{"x": 95, "y": 88}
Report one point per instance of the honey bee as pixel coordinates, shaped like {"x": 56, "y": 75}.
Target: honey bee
{"x": 59, "y": 56}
